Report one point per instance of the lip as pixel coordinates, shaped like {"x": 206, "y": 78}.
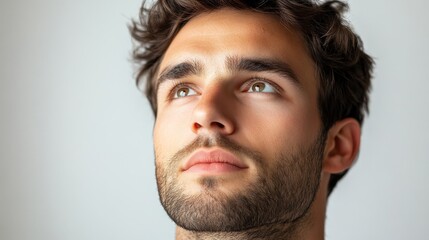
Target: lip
{"x": 217, "y": 160}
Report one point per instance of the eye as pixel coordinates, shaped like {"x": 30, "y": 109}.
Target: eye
{"x": 183, "y": 91}
{"x": 261, "y": 87}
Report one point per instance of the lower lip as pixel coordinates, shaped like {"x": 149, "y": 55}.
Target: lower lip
{"x": 213, "y": 168}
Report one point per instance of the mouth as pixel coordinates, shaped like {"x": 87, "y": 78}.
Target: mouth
{"x": 213, "y": 161}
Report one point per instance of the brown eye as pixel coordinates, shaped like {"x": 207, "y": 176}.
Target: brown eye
{"x": 261, "y": 87}
{"x": 258, "y": 87}
{"x": 184, "y": 92}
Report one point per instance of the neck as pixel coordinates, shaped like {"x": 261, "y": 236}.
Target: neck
{"x": 272, "y": 231}
{"x": 309, "y": 227}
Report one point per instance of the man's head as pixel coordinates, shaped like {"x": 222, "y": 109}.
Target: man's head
{"x": 256, "y": 103}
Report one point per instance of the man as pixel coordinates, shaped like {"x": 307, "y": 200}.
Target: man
{"x": 258, "y": 105}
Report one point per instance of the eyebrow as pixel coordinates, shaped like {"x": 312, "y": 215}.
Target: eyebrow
{"x": 263, "y": 65}
{"x": 184, "y": 69}
{"x": 233, "y": 64}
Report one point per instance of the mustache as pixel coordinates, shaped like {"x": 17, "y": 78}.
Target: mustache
{"x": 217, "y": 141}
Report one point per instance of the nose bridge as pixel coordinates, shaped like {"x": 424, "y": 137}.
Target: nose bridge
{"x": 213, "y": 111}
{"x": 213, "y": 95}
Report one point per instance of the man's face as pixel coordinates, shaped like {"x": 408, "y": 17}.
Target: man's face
{"x": 237, "y": 133}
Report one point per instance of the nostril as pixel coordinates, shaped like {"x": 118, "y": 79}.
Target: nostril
{"x": 218, "y": 125}
{"x": 197, "y": 126}
{"x": 212, "y": 126}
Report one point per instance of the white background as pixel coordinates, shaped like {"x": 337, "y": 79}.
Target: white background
{"x": 76, "y": 158}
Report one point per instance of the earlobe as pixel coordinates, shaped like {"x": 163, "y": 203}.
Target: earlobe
{"x": 342, "y": 146}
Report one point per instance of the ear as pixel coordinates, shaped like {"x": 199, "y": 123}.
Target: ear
{"x": 342, "y": 145}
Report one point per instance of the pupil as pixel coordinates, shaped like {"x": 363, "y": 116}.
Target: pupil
{"x": 183, "y": 92}
{"x": 258, "y": 87}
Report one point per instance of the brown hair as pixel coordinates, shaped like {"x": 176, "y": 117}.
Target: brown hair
{"x": 343, "y": 68}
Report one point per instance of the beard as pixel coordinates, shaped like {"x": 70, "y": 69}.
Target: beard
{"x": 282, "y": 191}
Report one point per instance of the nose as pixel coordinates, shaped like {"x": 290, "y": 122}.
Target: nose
{"x": 213, "y": 113}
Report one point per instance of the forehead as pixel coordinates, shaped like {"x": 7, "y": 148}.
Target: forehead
{"x": 213, "y": 36}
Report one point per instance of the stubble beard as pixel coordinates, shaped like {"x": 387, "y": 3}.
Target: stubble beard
{"x": 281, "y": 193}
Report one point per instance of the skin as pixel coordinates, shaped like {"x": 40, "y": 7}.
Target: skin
{"x": 221, "y": 101}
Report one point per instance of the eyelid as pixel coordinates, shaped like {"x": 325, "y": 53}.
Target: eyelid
{"x": 177, "y": 84}
{"x": 253, "y": 80}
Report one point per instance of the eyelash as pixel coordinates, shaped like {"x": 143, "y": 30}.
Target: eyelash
{"x": 177, "y": 84}
{"x": 256, "y": 79}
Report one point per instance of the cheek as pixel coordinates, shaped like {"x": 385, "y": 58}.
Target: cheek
{"x": 171, "y": 132}
{"x": 281, "y": 128}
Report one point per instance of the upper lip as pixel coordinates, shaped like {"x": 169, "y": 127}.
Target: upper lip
{"x": 212, "y": 156}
